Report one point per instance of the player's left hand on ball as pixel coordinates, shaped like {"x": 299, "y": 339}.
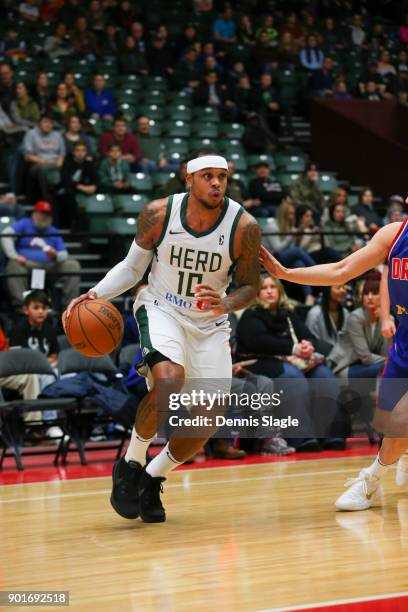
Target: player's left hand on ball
{"x": 91, "y": 295}
{"x": 208, "y": 299}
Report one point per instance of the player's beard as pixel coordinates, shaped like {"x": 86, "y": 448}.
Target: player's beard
{"x": 212, "y": 205}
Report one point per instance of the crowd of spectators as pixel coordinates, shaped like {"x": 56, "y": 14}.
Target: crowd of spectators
{"x": 66, "y": 131}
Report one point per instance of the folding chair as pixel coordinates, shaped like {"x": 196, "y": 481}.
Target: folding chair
{"x": 14, "y": 362}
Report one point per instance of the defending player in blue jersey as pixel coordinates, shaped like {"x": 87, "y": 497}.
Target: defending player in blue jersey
{"x": 392, "y": 415}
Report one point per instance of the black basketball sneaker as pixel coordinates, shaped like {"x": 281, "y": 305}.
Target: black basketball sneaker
{"x": 150, "y": 506}
{"x": 125, "y": 489}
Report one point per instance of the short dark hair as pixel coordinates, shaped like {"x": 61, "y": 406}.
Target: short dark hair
{"x": 114, "y": 145}
{"x": 120, "y": 119}
{"x": 203, "y": 151}
{"x": 80, "y": 143}
{"x": 38, "y": 295}
{"x": 301, "y": 210}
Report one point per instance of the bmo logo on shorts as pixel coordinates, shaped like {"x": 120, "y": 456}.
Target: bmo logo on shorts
{"x": 178, "y": 301}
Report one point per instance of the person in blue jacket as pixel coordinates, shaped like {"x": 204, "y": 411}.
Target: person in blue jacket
{"x": 33, "y": 242}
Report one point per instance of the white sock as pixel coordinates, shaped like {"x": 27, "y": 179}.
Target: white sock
{"x": 377, "y": 468}
{"x": 163, "y": 463}
{"x": 137, "y": 448}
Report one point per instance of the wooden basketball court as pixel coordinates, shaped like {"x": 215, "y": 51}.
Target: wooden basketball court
{"x": 245, "y": 538}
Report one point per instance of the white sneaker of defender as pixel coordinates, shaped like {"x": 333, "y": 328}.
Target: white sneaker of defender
{"x": 364, "y": 492}
{"x": 401, "y": 476}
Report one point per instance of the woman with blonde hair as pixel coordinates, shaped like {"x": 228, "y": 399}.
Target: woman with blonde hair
{"x": 283, "y": 242}
{"x": 284, "y": 349}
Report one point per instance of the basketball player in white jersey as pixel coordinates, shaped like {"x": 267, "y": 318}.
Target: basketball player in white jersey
{"x": 193, "y": 240}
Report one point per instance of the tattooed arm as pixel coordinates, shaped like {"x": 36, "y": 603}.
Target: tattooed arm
{"x": 130, "y": 270}
{"x": 247, "y": 242}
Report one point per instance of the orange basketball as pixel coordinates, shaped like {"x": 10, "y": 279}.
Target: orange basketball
{"x": 95, "y": 327}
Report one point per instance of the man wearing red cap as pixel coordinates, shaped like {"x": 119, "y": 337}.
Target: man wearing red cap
{"x": 37, "y": 244}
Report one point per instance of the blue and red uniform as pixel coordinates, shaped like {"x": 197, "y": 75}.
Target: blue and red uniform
{"x": 394, "y": 381}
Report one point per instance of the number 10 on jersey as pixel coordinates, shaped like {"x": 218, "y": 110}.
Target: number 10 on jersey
{"x": 185, "y": 285}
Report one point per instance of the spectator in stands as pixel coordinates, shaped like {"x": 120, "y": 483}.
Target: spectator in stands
{"x": 268, "y": 25}
{"x": 371, "y": 92}
{"x": 284, "y": 247}
{"x": 35, "y": 331}
{"x": 84, "y": 42}
{"x": 41, "y": 92}
{"x": 13, "y": 46}
{"x": 29, "y": 11}
{"x": 187, "y": 39}
{"x": 243, "y": 97}
{"x": 111, "y": 43}
{"x": 311, "y": 56}
{"x": 293, "y": 26}
{"x": 403, "y": 31}
{"x": 365, "y": 209}
{"x": 245, "y": 30}
{"x": 114, "y": 171}
{"x": 328, "y": 319}
{"x": 58, "y": 45}
{"x": 338, "y": 223}
{"x": 160, "y": 60}
{"x": 224, "y": 28}
{"x": 306, "y": 190}
{"x": 357, "y": 34}
{"x": 177, "y": 183}
{"x": 128, "y": 143}
{"x": 271, "y": 333}
{"x": 137, "y": 33}
{"x": 70, "y": 12}
{"x": 265, "y": 189}
{"x": 187, "y": 75}
{"x": 287, "y": 52}
{"x": 125, "y": 14}
{"x": 23, "y": 110}
{"x": 131, "y": 60}
{"x": 331, "y": 39}
{"x": 266, "y": 102}
{"x": 257, "y": 139}
{"x": 384, "y": 66}
{"x": 38, "y": 245}
{"x": 25, "y": 384}
{"x": 7, "y": 87}
{"x": 75, "y": 94}
{"x": 153, "y": 154}
{"x": 78, "y": 176}
{"x": 211, "y": 93}
{"x": 63, "y": 106}
{"x": 74, "y": 134}
{"x": 340, "y": 91}
{"x": 322, "y": 81}
{"x": 262, "y": 53}
{"x": 9, "y": 206}
{"x": 371, "y": 75}
{"x": 44, "y": 149}
{"x": 99, "y": 99}
{"x": 236, "y": 188}
{"x": 234, "y": 74}
{"x": 311, "y": 240}
{"x": 361, "y": 350}
{"x": 96, "y": 17}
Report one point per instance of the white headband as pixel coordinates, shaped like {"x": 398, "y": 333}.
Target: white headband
{"x": 206, "y": 161}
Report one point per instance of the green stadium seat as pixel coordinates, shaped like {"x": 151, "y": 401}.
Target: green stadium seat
{"x": 253, "y": 160}
{"x": 155, "y": 96}
{"x": 100, "y": 225}
{"x": 128, "y": 95}
{"x": 181, "y": 97}
{"x": 207, "y": 114}
{"x": 200, "y": 143}
{"x": 155, "y": 82}
{"x": 176, "y": 145}
{"x": 160, "y": 178}
{"x": 290, "y": 163}
{"x": 240, "y": 176}
{"x": 205, "y": 130}
{"x": 288, "y": 86}
{"x": 327, "y": 183}
{"x": 232, "y": 130}
{"x": 141, "y": 182}
{"x": 180, "y": 111}
{"x": 5, "y": 222}
{"x": 97, "y": 204}
{"x": 240, "y": 162}
{"x": 153, "y": 111}
{"x": 177, "y": 129}
{"x": 128, "y": 111}
{"x": 83, "y": 66}
{"x": 231, "y": 146}
{"x": 353, "y": 199}
{"x": 287, "y": 179}
{"x": 129, "y": 81}
{"x": 123, "y": 225}
{"x": 129, "y": 204}
{"x": 155, "y": 128}
{"x": 94, "y": 147}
